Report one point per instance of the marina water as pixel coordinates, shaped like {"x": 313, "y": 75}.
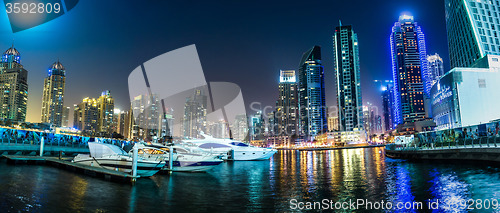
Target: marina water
{"x": 254, "y": 186}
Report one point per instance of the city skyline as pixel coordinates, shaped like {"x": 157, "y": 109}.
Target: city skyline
{"x": 85, "y": 61}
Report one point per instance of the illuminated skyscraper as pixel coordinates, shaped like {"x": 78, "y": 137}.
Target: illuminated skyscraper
{"x": 65, "y": 117}
{"x": 409, "y": 70}
{"x": 312, "y": 107}
{"x": 287, "y": 104}
{"x": 436, "y": 69}
{"x": 195, "y": 114}
{"x": 53, "y": 95}
{"x": 473, "y": 30}
{"x": 145, "y": 114}
{"x": 13, "y": 87}
{"x": 86, "y": 116}
{"x": 106, "y": 106}
{"x": 387, "y": 104}
{"x": 347, "y": 73}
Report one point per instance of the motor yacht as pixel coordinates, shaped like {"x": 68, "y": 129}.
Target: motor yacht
{"x": 231, "y": 149}
{"x": 112, "y": 157}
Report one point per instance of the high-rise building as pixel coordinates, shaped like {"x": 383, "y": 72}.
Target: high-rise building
{"x": 13, "y": 87}
{"x": 145, "y": 117}
{"x": 436, "y": 69}
{"x": 333, "y": 124}
{"x": 312, "y": 107}
{"x": 287, "y": 104}
{"x": 65, "y": 117}
{"x": 347, "y": 73}
{"x": 86, "y": 116}
{"x": 257, "y": 126}
{"x": 387, "y": 104}
{"x": 195, "y": 114}
{"x": 473, "y": 30}
{"x": 409, "y": 70}
{"x": 53, "y": 95}
{"x": 240, "y": 128}
{"x": 106, "y": 106}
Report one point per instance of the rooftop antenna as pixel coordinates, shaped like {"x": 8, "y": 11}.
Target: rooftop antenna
{"x": 340, "y": 23}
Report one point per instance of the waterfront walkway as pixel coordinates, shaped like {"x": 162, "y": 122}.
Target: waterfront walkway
{"x": 482, "y": 149}
{"x": 332, "y": 148}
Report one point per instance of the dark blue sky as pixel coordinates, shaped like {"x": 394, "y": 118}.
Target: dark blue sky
{"x": 244, "y": 42}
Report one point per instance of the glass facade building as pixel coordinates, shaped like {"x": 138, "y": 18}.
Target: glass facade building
{"x": 312, "y": 107}
{"x": 287, "y": 104}
{"x": 347, "y": 73}
{"x": 13, "y": 87}
{"x": 410, "y": 72}
{"x": 468, "y": 96}
{"x": 436, "y": 68}
{"x": 472, "y": 27}
{"x": 53, "y": 95}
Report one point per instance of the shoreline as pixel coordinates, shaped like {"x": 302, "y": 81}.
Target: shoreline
{"x": 333, "y": 148}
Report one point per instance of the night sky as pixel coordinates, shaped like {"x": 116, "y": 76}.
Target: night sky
{"x": 244, "y": 42}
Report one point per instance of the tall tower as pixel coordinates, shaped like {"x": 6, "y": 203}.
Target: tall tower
{"x": 106, "y": 106}
{"x": 312, "y": 107}
{"x": 86, "y": 116}
{"x": 436, "y": 69}
{"x": 409, "y": 71}
{"x": 53, "y": 95}
{"x": 13, "y": 87}
{"x": 347, "y": 73}
{"x": 195, "y": 114}
{"x": 287, "y": 105}
{"x": 473, "y": 30}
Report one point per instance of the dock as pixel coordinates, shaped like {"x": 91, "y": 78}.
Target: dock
{"x": 65, "y": 163}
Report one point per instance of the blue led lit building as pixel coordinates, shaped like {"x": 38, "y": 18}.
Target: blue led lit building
{"x": 13, "y": 87}
{"x": 347, "y": 74}
{"x": 53, "y": 95}
{"x": 412, "y": 81}
{"x": 473, "y": 30}
{"x": 312, "y": 107}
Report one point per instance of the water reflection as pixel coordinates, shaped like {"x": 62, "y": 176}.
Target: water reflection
{"x": 253, "y": 186}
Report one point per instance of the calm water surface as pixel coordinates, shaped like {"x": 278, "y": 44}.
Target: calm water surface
{"x": 253, "y": 186}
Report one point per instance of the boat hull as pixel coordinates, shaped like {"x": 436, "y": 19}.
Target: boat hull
{"x": 144, "y": 168}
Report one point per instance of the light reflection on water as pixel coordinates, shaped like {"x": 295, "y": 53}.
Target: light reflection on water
{"x": 254, "y": 186}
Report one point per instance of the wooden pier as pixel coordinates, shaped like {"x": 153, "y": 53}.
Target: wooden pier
{"x": 68, "y": 165}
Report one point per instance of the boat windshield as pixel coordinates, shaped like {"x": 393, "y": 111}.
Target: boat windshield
{"x": 239, "y": 144}
{"x": 213, "y": 145}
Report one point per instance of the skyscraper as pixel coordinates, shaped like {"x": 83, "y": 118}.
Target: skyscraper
{"x": 257, "y": 126}
{"x": 13, "y": 87}
{"x": 409, "y": 71}
{"x": 86, "y": 116}
{"x": 65, "y": 117}
{"x": 53, "y": 95}
{"x": 347, "y": 73}
{"x": 287, "y": 104}
{"x": 436, "y": 69}
{"x": 145, "y": 117}
{"x": 195, "y": 114}
{"x": 473, "y": 30}
{"x": 312, "y": 107}
{"x": 106, "y": 106}
{"x": 387, "y": 104}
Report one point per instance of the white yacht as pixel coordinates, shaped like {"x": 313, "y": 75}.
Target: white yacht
{"x": 114, "y": 158}
{"x": 185, "y": 159}
{"x": 231, "y": 149}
